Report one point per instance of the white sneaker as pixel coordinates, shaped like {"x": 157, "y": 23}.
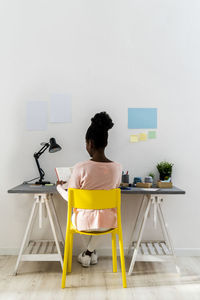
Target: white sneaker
{"x": 94, "y": 258}
{"x": 84, "y": 259}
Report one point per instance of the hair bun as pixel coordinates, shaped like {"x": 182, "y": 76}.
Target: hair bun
{"x": 102, "y": 120}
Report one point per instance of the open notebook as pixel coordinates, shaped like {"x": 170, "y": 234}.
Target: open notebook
{"x": 63, "y": 173}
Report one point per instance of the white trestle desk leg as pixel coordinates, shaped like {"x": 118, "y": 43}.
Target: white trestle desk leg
{"x": 165, "y": 230}
{"x": 41, "y": 200}
{"x": 54, "y": 232}
{"x": 45, "y": 210}
{"x": 32, "y": 223}
{"x": 56, "y": 219}
{"x": 27, "y": 231}
{"x": 139, "y": 237}
{"x": 163, "y": 227}
{"x": 40, "y": 211}
{"x": 135, "y": 225}
{"x": 155, "y": 203}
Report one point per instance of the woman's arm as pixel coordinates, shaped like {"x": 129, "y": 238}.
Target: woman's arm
{"x": 74, "y": 182}
{"x": 62, "y": 192}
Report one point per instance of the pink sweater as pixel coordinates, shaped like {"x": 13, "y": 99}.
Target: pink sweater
{"x": 91, "y": 175}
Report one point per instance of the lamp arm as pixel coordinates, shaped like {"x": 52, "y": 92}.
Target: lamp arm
{"x": 39, "y": 168}
{"x": 37, "y": 154}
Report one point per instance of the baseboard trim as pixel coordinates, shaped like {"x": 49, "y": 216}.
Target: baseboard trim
{"x": 187, "y": 251}
{"x": 108, "y": 251}
{"x": 9, "y": 251}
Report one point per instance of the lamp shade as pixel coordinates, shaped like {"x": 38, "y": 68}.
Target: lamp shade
{"x": 54, "y": 147}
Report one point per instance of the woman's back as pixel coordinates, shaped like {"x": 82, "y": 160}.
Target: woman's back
{"x": 92, "y": 175}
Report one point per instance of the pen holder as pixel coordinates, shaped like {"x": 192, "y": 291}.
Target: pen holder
{"x": 125, "y": 178}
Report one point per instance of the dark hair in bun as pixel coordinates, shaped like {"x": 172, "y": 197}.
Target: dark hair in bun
{"x": 98, "y": 130}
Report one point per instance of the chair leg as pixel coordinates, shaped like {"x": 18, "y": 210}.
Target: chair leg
{"x": 114, "y": 252}
{"x": 65, "y": 260}
{"x": 69, "y": 265}
{"x": 122, "y": 259}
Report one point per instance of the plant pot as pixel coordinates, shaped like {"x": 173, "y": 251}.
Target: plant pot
{"x": 163, "y": 176}
{"x": 165, "y": 185}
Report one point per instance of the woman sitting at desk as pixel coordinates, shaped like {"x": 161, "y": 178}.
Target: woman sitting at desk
{"x": 98, "y": 173}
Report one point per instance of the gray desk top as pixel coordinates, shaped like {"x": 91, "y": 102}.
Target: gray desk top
{"x": 51, "y": 189}
{"x": 33, "y": 189}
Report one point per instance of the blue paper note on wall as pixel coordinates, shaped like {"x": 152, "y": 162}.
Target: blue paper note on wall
{"x": 142, "y": 118}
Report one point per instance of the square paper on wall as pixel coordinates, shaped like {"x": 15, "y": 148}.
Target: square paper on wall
{"x": 61, "y": 108}
{"x": 142, "y": 118}
{"x": 36, "y": 115}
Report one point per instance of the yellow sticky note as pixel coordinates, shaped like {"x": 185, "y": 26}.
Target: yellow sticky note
{"x": 134, "y": 138}
{"x": 142, "y": 136}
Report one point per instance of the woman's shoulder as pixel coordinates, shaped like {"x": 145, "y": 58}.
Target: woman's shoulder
{"x": 118, "y": 165}
{"x": 86, "y": 163}
{"x": 81, "y": 164}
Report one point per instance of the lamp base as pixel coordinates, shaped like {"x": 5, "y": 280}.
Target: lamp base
{"x": 42, "y": 182}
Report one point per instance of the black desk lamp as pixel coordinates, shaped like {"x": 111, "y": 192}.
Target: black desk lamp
{"x": 53, "y": 147}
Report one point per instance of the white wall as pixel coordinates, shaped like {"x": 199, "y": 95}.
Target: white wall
{"x": 110, "y": 55}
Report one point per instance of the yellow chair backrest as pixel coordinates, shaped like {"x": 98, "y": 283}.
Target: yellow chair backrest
{"x": 94, "y": 199}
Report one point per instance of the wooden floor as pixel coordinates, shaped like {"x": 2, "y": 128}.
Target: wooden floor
{"x": 150, "y": 281}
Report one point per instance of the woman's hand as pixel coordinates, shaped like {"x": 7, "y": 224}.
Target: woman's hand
{"x": 60, "y": 182}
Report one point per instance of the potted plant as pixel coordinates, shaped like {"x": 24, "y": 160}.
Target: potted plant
{"x": 152, "y": 175}
{"x": 165, "y": 170}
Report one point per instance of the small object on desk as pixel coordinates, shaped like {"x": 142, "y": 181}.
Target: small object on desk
{"x": 49, "y": 184}
{"x": 164, "y": 184}
{"x": 165, "y": 170}
{"x": 166, "y": 180}
{"x": 143, "y": 184}
{"x": 125, "y": 178}
{"x": 150, "y": 189}
{"x": 137, "y": 179}
{"x": 148, "y": 179}
{"x": 125, "y": 188}
{"x": 124, "y": 184}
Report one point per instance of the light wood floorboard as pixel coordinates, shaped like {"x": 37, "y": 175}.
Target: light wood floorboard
{"x": 150, "y": 281}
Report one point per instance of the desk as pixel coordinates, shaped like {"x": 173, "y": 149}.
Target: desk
{"x": 151, "y": 251}
{"x": 40, "y": 250}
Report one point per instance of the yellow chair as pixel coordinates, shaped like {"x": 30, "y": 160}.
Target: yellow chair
{"x": 93, "y": 199}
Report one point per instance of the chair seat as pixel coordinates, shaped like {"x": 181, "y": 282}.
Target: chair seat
{"x": 73, "y": 228}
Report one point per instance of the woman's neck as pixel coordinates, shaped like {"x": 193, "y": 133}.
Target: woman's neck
{"x": 99, "y": 156}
